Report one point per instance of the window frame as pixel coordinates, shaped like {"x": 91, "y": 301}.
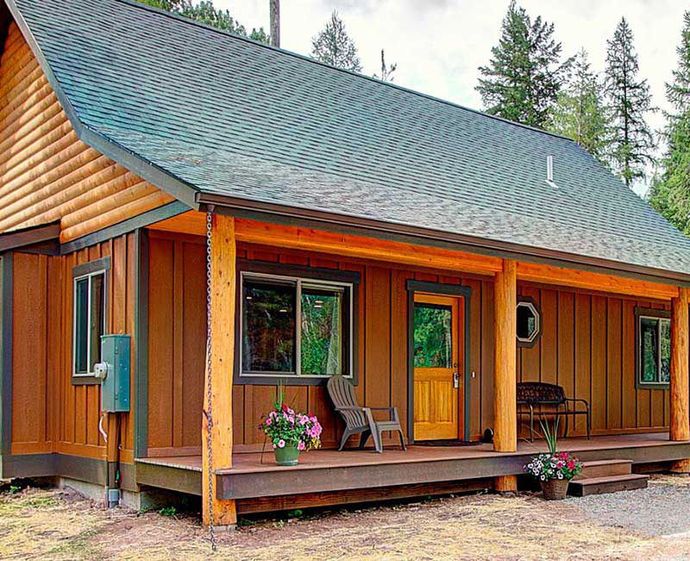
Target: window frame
{"x": 654, "y": 314}
{"x": 309, "y": 277}
{"x": 527, "y": 301}
{"x": 80, "y": 272}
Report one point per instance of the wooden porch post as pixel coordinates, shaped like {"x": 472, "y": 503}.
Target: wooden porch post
{"x": 680, "y": 374}
{"x": 505, "y": 406}
{"x": 222, "y": 305}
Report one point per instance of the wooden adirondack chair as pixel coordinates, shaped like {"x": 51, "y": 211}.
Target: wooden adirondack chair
{"x": 361, "y": 419}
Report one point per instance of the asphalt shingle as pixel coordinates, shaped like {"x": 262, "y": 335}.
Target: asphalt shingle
{"x": 232, "y": 117}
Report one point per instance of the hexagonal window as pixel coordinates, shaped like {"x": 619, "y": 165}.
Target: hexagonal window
{"x": 528, "y": 322}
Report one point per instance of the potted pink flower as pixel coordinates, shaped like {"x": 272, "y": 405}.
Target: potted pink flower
{"x": 290, "y": 433}
{"x": 555, "y": 469}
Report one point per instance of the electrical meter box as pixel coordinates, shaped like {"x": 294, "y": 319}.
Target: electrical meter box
{"x": 114, "y": 373}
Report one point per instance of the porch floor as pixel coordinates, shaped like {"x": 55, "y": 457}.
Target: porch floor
{"x": 254, "y": 476}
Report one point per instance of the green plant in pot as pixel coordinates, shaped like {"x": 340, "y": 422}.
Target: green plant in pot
{"x": 289, "y": 432}
{"x": 555, "y": 469}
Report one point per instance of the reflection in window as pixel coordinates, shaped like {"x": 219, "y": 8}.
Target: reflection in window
{"x": 322, "y": 341}
{"x": 268, "y": 329}
{"x": 89, "y": 321}
{"x": 655, "y": 350}
{"x": 528, "y": 322}
{"x": 292, "y": 326}
{"x": 433, "y": 333}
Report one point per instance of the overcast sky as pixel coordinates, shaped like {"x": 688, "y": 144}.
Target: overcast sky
{"x": 439, "y": 44}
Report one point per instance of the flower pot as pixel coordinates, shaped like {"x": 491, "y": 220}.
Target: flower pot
{"x": 287, "y": 456}
{"x": 555, "y": 489}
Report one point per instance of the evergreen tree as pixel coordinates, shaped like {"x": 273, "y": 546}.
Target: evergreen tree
{"x": 525, "y": 74}
{"x": 670, "y": 191}
{"x": 629, "y": 99}
{"x": 205, "y": 12}
{"x": 580, "y": 111}
{"x": 334, "y": 46}
{"x": 678, "y": 91}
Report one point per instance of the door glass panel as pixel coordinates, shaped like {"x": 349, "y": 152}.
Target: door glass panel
{"x": 433, "y": 336}
{"x": 321, "y": 351}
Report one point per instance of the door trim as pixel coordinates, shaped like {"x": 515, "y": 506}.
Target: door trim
{"x": 414, "y": 286}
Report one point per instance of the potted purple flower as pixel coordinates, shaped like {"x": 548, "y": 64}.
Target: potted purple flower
{"x": 290, "y": 433}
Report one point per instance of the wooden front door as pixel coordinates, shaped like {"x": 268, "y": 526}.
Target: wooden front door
{"x": 437, "y": 369}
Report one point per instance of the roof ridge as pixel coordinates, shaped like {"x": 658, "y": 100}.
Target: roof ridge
{"x": 183, "y": 19}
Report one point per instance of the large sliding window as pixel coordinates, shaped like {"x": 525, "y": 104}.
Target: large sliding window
{"x": 653, "y": 349}
{"x": 295, "y": 326}
{"x": 89, "y": 317}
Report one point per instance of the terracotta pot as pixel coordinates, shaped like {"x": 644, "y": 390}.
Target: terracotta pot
{"x": 287, "y": 456}
{"x": 555, "y": 489}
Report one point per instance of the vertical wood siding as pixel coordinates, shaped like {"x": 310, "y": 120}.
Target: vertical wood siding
{"x": 587, "y": 346}
{"x": 49, "y": 413}
{"x": 46, "y": 172}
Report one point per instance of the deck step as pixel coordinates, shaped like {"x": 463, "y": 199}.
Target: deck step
{"x": 604, "y": 468}
{"x": 608, "y": 484}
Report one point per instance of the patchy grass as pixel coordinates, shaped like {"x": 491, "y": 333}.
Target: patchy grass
{"x": 49, "y": 524}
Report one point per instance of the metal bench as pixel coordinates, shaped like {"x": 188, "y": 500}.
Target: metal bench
{"x": 552, "y": 397}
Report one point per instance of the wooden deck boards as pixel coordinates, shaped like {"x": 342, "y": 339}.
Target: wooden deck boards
{"x": 323, "y": 459}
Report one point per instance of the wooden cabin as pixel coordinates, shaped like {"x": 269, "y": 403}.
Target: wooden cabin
{"x": 155, "y": 173}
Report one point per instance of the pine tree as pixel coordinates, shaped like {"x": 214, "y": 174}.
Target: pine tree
{"x": 334, "y": 46}
{"x": 629, "y": 100}
{"x": 670, "y": 190}
{"x": 205, "y": 12}
{"x": 678, "y": 91}
{"x": 525, "y": 74}
{"x": 580, "y": 111}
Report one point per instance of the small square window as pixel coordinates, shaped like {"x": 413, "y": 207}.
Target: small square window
{"x": 89, "y": 321}
{"x": 654, "y": 349}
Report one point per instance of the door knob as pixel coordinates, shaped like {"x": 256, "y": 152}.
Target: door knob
{"x": 456, "y": 380}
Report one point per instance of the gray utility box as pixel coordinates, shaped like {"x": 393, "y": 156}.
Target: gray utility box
{"x": 114, "y": 371}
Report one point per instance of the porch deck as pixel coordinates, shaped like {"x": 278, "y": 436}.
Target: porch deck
{"x": 329, "y": 476}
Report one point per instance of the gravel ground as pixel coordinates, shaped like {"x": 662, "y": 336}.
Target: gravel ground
{"x": 663, "y": 509}
{"x": 649, "y": 525}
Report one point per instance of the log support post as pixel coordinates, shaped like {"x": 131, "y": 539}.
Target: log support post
{"x": 217, "y": 511}
{"x": 505, "y": 405}
{"x": 680, "y": 375}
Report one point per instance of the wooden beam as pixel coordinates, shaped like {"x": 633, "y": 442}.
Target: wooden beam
{"x": 549, "y": 274}
{"x": 680, "y": 372}
{"x": 505, "y": 407}
{"x": 223, "y": 280}
{"x": 348, "y": 245}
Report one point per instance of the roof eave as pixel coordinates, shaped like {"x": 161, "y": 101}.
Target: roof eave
{"x": 402, "y": 232}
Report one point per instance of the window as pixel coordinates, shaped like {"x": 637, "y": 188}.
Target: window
{"x": 89, "y": 316}
{"x": 528, "y": 322}
{"x": 433, "y": 336}
{"x": 293, "y": 326}
{"x": 654, "y": 348}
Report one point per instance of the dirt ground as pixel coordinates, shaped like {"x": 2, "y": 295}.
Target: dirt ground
{"x": 652, "y": 524}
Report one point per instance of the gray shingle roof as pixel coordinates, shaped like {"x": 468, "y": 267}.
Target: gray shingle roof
{"x": 230, "y": 117}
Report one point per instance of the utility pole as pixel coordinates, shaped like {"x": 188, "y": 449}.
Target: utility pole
{"x": 275, "y": 22}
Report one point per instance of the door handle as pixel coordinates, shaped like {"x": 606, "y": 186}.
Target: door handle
{"x": 456, "y": 380}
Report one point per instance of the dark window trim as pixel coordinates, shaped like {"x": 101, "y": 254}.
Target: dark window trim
{"x": 650, "y": 313}
{"x": 441, "y": 289}
{"x": 530, "y": 344}
{"x": 247, "y": 267}
{"x": 95, "y": 266}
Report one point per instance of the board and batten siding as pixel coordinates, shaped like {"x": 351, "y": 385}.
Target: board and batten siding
{"x": 46, "y": 173}
{"x": 587, "y": 345}
{"x": 49, "y": 413}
